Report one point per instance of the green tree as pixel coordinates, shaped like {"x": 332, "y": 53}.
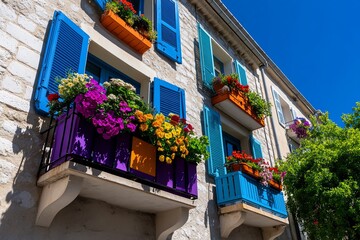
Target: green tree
{"x": 323, "y": 178}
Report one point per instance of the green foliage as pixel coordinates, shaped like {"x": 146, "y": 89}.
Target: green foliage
{"x": 322, "y": 181}
{"x": 352, "y": 120}
{"x": 261, "y": 107}
{"x": 197, "y": 148}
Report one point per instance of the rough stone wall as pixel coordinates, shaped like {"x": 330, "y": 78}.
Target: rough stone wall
{"x": 23, "y": 26}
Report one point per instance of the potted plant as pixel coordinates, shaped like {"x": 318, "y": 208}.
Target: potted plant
{"x": 300, "y": 127}
{"x": 249, "y": 101}
{"x": 121, "y": 19}
{"x": 241, "y": 161}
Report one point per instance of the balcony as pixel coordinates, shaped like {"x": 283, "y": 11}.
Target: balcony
{"x": 244, "y": 200}
{"x": 236, "y": 106}
{"x": 79, "y": 162}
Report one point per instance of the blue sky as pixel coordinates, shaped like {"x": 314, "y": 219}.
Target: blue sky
{"x": 316, "y": 43}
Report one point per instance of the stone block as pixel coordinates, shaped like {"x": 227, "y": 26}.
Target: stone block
{"x": 14, "y": 101}
{"x": 24, "y": 36}
{"x": 22, "y": 71}
{"x": 29, "y": 57}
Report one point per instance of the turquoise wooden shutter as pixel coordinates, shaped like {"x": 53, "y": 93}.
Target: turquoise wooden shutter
{"x": 66, "y": 50}
{"x": 256, "y": 148}
{"x": 101, "y": 3}
{"x": 240, "y": 70}
{"x": 212, "y": 127}
{"x": 279, "y": 110}
{"x": 168, "y": 29}
{"x": 169, "y": 98}
{"x": 206, "y": 57}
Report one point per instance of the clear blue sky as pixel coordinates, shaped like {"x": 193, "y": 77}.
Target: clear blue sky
{"x": 316, "y": 43}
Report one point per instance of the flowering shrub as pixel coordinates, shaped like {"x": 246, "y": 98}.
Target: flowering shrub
{"x": 115, "y": 107}
{"x": 231, "y": 83}
{"x": 173, "y": 136}
{"x": 126, "y": 11}
{"x": 300, "y": 127}
{"x": 110, "y": 108}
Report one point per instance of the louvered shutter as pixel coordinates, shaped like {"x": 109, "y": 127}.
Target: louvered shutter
{"x": 240, "y": 70}
{"x": 278, "y": 107}
{"x": 256, "y": 148}
{"x": 101, "y": 3}
{"x": 212, "y": 127}
{"x": 168, "y": 29}
{"x": 169, "y": 98}
{"x": 66, "y": 50}
{"x": 206, "y": 57}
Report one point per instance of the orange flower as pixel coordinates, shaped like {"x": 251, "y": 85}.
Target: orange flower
{"x": 143, "y": 127}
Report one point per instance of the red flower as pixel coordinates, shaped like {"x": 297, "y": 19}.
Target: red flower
{"x": 316, "y": 222}
{"x": 53, "y": 97}
{"x": 190, "y": 127}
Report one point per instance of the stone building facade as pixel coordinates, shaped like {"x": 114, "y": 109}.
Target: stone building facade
{"x": 67, "y": 203}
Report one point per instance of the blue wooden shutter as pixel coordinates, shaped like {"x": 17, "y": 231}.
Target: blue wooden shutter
{"x": 256, "y": 148}
{"x": 168, "y": 29}
{"x": 66, "y": 50}
{"x": 279, "y": 110}
{"x": 212, "y": 127}
{"x": 240, "y": 70}
{"x": 169, "y": 98}
{"x": 101, "y": 3}
{"x": 206, "y": 57}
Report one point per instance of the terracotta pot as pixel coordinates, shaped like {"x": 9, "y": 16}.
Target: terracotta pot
{"x": 240, "y": 101}
{"x": 275, "y": 185}
{"x": 124, "y": 32}
{"x": 243, "y": 167}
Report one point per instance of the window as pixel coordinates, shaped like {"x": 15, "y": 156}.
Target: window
{"x": 166, "y": 21}
{"x": 215, "y": 60}
{"x": 218, "y": 66}
{"x": 230, "y": 144}
{"x": 222, "y": 143}
{"x": 284, "y": 112}
{"x": 102, "y": 72}
{"x": 66, "y": 49}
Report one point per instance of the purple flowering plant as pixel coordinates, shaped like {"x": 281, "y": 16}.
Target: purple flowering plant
{"x": 300, "y": 127}
{"x": 110, "y": 107}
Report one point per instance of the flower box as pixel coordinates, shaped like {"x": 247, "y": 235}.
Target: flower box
{"x": 181, "y": 175}
{"x": 275, "y": 185}
{"x": 124, "y": 32}
{"x": 245, "y": 168}
{"x": 236, "y": 105}
{"x": 143, "y": 159}
{"x": 75, "y": 137}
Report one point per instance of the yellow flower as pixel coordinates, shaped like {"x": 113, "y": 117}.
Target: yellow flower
{"x": 159, "y": 143}
{"x": 172, "y": 155}
{"x": 167, "y": 126}
{"x": 168, "y": 135}
{"x": 183, "y": 155}
{"x": 160, "y": 149}
{"x": 162, "y": 158}
{"x": 174, "y": 148}
{"x": 70, "y": 84}
{"x": 168, "y": 142}
{"x": 143, "y": 127}
{"x": 168, "y": 160}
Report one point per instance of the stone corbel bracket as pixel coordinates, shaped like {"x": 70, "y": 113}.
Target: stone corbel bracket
{"x": 234, "y": 216}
